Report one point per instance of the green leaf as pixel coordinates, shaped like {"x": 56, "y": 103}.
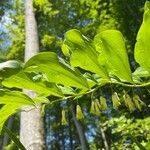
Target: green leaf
{"x": 12, "y": 100}
{"x": 111, "y": 46}
{"x": 83, "y": 53}
{"x": 15, "y": 97}
{"x": 10, "y": 64}
{"x": 39, "y": 99}
{"x": 90, "y": 79}
{"x": 6, "y": 111}
{"x": 136, "y": 142}
{"x": 142, "y": 46}
{"x": 28, "y": 81}
{"x": 141, "y": 72}
{"x": 65, "y": 49}
{"x": 67, "y": 90}
{"x": 56, "y": 70}
{"x": 9, "y": 68}
{"x": 13, "y": 137}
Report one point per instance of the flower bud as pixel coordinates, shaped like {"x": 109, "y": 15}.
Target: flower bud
{"x": 103, "y": 103}
{"x": 128, "y": 102}
{"x": 63, "y": 117}
{"x": 115, "y": 100}
{"x": 79, "y": 114}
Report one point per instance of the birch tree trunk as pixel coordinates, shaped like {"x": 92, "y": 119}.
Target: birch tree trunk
{"x": 31, "y": 124}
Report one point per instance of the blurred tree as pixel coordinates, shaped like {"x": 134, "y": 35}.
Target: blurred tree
{"x": 31, "y": 125}
{"x": 54, "y": 18}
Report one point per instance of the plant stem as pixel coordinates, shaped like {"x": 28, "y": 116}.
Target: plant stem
{"x": 131, "y": 85}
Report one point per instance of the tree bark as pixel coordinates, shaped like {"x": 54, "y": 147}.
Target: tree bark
{"x": 84, "y": 145}
{"x": 31, "y": 123}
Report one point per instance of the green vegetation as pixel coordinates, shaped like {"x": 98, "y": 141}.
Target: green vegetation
{"x": 95, "y": 77}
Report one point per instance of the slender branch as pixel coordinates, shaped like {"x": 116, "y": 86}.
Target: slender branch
{"x": 130, "y": 85}
{"x": 98, "y": 86}
{"x": 104, "y": 138}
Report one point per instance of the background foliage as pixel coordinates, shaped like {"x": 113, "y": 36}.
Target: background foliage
{"x": 90, "y": 17}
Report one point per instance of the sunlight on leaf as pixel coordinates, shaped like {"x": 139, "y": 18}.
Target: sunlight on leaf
{"x": 56, "y": 70}
{"x": 111, "y": 46}
{"x": 142, "y": 46}
{"x": 83, "y": 54}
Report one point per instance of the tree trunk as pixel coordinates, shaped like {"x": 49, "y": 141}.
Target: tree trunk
{"x": 84, "y": 145}
{"x": 31, "y": 125}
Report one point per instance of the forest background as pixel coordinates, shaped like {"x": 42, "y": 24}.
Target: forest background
{"x": 113, "y": 128}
